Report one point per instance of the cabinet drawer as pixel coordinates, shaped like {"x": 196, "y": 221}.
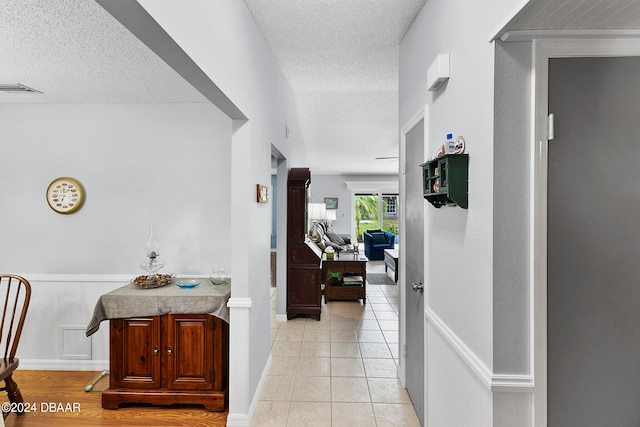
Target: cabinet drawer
{"x": 343, "y": 292}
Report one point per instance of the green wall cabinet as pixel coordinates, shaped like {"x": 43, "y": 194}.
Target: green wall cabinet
{"x": 445, "y": 180}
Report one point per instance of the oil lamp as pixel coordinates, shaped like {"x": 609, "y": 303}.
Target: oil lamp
{"x": 153, "y": 264}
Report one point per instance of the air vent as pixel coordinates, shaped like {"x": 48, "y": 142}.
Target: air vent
{"x": 17, "y": 88}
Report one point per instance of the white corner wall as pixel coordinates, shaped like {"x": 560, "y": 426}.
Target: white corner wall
{"x": 460, "y": 247}
{"x": 225, "y": 43}
{"x": 512, "y": 175}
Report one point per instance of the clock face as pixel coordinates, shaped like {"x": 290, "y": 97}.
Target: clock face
{"x": 65, "y": 195}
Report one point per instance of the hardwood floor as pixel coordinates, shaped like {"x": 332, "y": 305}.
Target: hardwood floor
{"x": 51, "y": 393}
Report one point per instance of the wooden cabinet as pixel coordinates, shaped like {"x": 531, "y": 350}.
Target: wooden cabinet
{"x": 169, "y": 359}
{"x": 445, "y": 180}
{"x": 303, "y": 262}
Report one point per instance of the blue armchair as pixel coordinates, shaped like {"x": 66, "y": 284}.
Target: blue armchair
{"x": 376, "y": 241}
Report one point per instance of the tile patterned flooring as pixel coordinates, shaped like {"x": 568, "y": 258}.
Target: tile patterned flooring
{"x": 339, "y": 371}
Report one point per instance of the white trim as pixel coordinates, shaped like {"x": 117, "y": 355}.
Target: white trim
{"x": 474, "y": 363}
{"x": 512, "y": 383}
{"x": 78, "y": 277}
{"x": 281, "y": 318}
{"x": 239, "y": 363}
{"x": 378, "y": 186}
{"x": 239, "y": 302}
{"x": 510, "y": 18}
{"x": 241, "y": 420}
{"x": 495, "y": 382}
{"x": 529, "y": 35}
{"x": 79, "y": 332}
{"x": 97, "y": 278}
{"x": 64, "y": 365}
{"x": 543, "y": 50}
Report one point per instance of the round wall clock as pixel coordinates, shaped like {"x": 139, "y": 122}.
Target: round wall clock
{"x": 65, "y": 195}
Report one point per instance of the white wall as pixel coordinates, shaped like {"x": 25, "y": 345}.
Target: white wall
{"x": 463, "y": 106}
{"x": 460, "y": 247}
{"x": 140, "y": 164}
{"x": 164, "y": 165}
{"x": 223, "y": 40}
{"x": 455, "y": 395}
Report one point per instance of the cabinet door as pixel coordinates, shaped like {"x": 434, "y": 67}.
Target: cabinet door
{"x": 135, "y": 353}
{"x": 303, "y": 287}
{"x": 188, "y": 351}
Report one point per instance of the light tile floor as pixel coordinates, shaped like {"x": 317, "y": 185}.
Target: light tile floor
{"x": 339, "y": 371}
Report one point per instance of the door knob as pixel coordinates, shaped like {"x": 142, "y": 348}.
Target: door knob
{"x": 417, "y": 287}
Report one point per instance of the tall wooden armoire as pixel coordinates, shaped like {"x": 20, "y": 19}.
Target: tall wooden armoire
{"x": 303, "y": 263}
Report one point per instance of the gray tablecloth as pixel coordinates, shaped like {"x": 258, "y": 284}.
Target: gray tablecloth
{"x": 133, "y": 301}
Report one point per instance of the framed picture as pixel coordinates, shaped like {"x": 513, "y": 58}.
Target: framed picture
{"x": 262, "y": 194}
{"x": 331, "y": 202}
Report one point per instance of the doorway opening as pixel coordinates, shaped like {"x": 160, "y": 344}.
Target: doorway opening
{"x": 376, "y": 212}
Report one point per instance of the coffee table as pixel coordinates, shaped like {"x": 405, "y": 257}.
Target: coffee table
{"x": 391, "y": 261}
{"x": 349, "y": 263}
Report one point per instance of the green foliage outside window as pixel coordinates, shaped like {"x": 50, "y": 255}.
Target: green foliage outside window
{"x": 366, "y": 211}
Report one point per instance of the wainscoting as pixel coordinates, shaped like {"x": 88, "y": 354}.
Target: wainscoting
{"x": 61, "y": 307}
{"x": 462, "y": 391}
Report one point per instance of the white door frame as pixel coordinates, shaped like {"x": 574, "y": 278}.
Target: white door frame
{"x": 543, "y": 50}
{"x": 402, "y": 261}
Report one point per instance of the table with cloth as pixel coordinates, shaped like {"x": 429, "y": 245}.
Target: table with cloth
{"x": 134, "y": 301}
{"x": 167, "y": 345}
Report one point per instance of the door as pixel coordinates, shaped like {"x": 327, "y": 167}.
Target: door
{"x": 189, "y": 351}
{"x": 593, "y": 316}
{"x": 414, "y": 221}
{"x": 135, "y": 353}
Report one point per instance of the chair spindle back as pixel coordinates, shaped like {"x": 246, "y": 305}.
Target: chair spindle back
{"x": 16, "y": 294}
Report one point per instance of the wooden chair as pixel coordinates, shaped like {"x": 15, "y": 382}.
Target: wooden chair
{"x": 15, "y": 293}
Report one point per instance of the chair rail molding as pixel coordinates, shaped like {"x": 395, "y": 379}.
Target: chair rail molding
{"x": 494, "y": 382}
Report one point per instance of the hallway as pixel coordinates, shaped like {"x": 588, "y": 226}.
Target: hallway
{"x": 339, "y": 371}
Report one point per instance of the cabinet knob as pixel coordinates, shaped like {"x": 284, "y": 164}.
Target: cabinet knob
{"x": 169, "y": 350}
{"x": 417, "y": 287}
{"x": 156, "y": 350}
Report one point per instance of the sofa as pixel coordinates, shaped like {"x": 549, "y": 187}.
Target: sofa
{"x": 376, "y": 241}
{"x": 322, "y": 237}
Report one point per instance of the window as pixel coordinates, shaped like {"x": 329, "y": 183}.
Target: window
{"x": 391, "y": 203}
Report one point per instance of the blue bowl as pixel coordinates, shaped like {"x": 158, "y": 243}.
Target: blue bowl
{"x": 187, "y": 284}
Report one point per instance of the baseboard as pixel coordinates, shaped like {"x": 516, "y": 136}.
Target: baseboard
{"x": 494, "y": 382}
{"x": 244, "y": 420}
{"x": 281, "y": 317}
{"x": 63, "y": 365}
{"x": 238, "y": 420}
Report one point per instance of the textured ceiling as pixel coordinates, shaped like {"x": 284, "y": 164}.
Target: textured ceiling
{"x": 75, "y": 52}
{"x": 340, "y": 57}
{"x": 341, "y": 60}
